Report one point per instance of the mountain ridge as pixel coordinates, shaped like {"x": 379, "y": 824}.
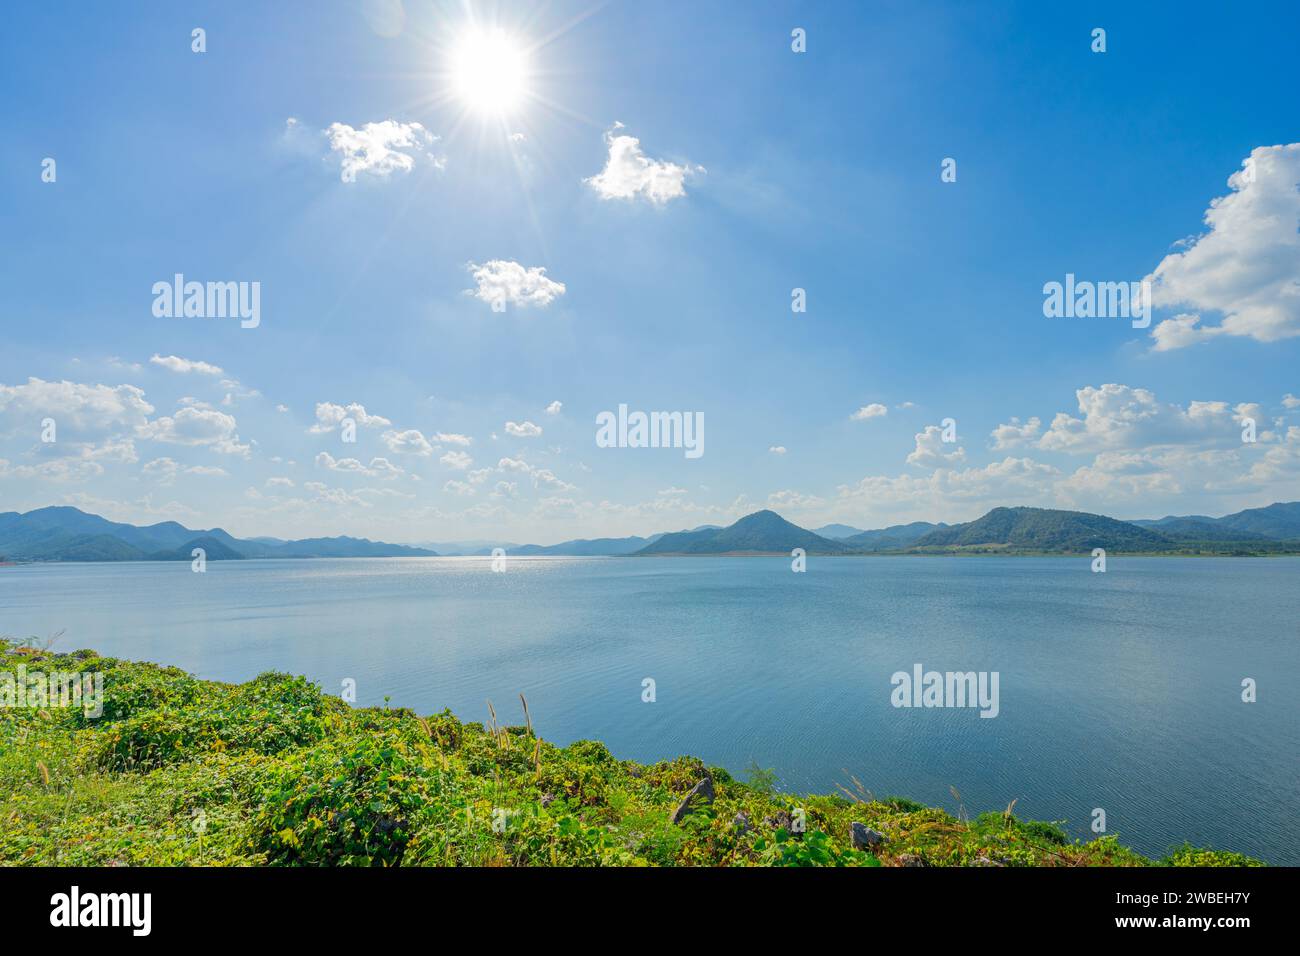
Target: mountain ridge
{"x": 65, "y": 533}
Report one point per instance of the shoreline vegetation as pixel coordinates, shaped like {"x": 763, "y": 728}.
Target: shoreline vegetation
{"x": 181, "y": 771}
{"x": 66, "y": 534}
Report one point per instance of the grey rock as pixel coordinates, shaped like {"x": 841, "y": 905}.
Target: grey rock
{"x": 741, "y": 823}
{"x": 702, "y": 792}
{"x": 865, "y": 838}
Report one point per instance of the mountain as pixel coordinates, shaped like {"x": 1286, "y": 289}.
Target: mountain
{"x": 213, "y": 550}
{"x": 581, "y": 547}
{"x": 70, "y": 534}
{"x": 762, "y": 532}
{"x": 894, "y": 538}
{"x": 474, "y": 546}
{"x": 1046, "y": 529}
{"x": 1199, "y": 529}
{"x": 345, "y": 547}
{"x": 837, "y": 532}
{"x": 1276, "y": 522}
{"x": 1280, "y": 520}
{"x": 587, "y": 547}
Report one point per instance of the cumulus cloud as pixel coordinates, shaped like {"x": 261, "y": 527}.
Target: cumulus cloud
{"x": 174, "y": 363}
{"x": 1246, "y": 266}
{"x": 1015, "y": 433}
{"x": 554, "y": 408}
{"x": 793, "y": 500}
{"x": 777, "y": 449}
{"x": 931, "y": 450}
{"x": 630, "y": 174}
{"x": 407, "y": 442}
{"x": 164, "y": 470}
{"x": 196, "y": 425}
{"x": 329, "y": 416}
{"x": 91, "y": 410}
{"x": 874, "y": 410}
{"x": 1118, "y": 417}
{"x": 380, "y": 149}
{"x": 378, "y": 467}
{"x": 542, "y": 477}
{"x": 523, "y": 429}
{"x": 1012, "y": 480}
{"x": 501, "y": 282}
{"x": 457, "y": 459}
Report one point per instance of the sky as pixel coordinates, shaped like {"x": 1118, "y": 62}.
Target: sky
{"x": 473, "y": 228}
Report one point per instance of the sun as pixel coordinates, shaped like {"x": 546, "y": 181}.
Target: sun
{"x": 489, "y": 71}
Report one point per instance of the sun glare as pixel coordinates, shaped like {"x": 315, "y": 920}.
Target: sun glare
{"x": 489, "y": 72}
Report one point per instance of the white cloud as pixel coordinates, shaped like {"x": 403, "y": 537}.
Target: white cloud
{"x": 777, "y": 449}
{"x": 1290, "y": 401}
{"x": 174, "y": 363}
{"x": 1246, "y": 266}
{"x": 502, "y": 282}
{"x": 930, "y": 450}
{"x": 60, "y": 469}
{"x": 459, "y": 488}
{"x": 1118, "y": 417}
{"x": 1015, "y": 433}
{"x": 376, "y": 149}
{"x": 523, "y": 429}
{"x": 874, "y": 410}
{"x": 793, "y": 500}
{"x": 408, "y": 442}
{"x": 195, "y": 425}
{"x": 450, "y": 438}
{"x": 92, "y": 410}
{"x": 457, "y": 459}
{"x": 545, "y": 478}
{"x": 630, "y": 174}
{"x": 554, "y": 408}
{"x": 329, "y": 416}
{"x": 378, "y": 467}
{"x": 279, "y": 482}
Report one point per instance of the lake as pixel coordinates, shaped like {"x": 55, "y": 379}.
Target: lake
{"x": 1120, "y": 691}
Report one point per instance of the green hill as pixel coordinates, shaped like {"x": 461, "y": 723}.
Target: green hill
{"x": 763, "y": 532}
{"x": 1280, "y": 520}
{"x": 1045, "y": 529}
{"x": 894, "y": 538}
{"x": 64, "y": 533}
{"x": 213, "y": 550}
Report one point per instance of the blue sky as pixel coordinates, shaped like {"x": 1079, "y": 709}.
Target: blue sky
{"x": 755, "y": 170}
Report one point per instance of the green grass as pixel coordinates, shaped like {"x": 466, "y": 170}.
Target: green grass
{"x": 180, "y": 771}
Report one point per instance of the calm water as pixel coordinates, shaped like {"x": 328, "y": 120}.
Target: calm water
{"x": 1118, "y": 690}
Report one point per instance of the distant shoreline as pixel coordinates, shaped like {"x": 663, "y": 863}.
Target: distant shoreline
{"x": 1083, "y": 555}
